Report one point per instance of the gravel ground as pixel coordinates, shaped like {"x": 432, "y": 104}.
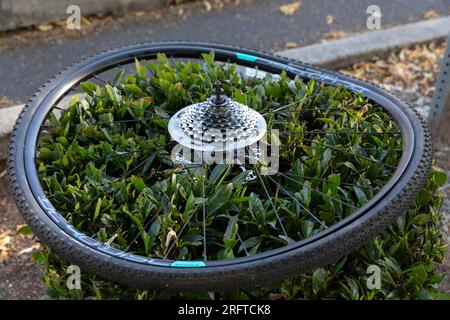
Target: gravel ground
{"x": 410, "y": 72}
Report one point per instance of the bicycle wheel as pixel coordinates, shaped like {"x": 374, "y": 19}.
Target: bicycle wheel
{"x": 94, "y": 171}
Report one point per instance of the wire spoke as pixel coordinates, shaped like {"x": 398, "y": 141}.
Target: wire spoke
{"x": 111, "y": 156}
{"x": 99, "y": 97}
{"x": 100, "y": 79}
{"x": 287, "y": 106}
{"x": 204, "y": 208}
{"x": 146, "y": 226}
{"x": 143, "y": 162}
{"x": 243, "y": 244}
{"x": 160, "y": 88}
{"x": 376, "y": 149}
{"x": 190, "y": 216}
{"x": 93, "y": 199}
{"x": 301, "y": 135}
{"x": 346, "y": 152}
{"x": 343, "y": 131}
{"x": 93, "y": 124}
{"x": 301, "y": 204}
{"x": 321, "y": 108}
{"x": 59, "y": 108}
{"x": 319, "y": 192}
{"x": 325, "y": 180}
{"x": 270, "y": 201}
{"x": 231, "y": 80}
{"x": 181, "y": 231}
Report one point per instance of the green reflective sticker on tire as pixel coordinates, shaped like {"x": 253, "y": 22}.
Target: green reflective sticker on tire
{"x": 246, "y": 57}
{"x": 188, "y": 264}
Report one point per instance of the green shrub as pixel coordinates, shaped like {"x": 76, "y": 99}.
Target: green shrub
{"x": 408, "y": 255}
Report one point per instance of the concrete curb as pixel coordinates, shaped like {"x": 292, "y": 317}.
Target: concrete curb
{"x": 336, "y": 53}
{"x": 23, "y": 13}
{"x": 343, "y": 52}
{"x": 8, "y": 118}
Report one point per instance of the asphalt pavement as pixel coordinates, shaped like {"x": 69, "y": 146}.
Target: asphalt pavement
{"x": 257, "y": 24}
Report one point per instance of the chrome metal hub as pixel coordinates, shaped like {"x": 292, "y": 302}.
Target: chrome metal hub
{"x": 218, "y": 124}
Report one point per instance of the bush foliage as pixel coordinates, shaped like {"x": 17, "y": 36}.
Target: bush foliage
{"x": 407, "y": 254}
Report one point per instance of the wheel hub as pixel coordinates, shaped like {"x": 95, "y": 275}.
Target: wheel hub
{"x": 217, "y": 124}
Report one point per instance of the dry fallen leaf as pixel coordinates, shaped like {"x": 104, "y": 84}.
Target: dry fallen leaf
{"x": 86, "y": 21}
{"x": 330, "y": 19}
{"x": 291, "y": 8}
{"x": 44, "y": 27}
{"x": 401, "y": 70}
{"x": 275, "y": 296}
{"x": 290, "y": 45}
{"x": 35, "y": 246}
{"x": 208, "y": 5}
{"x": 381, "y": 64}
{"x": 5, "y": 239}
{"x": 6, "y": 101}
{"x": 171, "y": 234}
{"x": 431, "y": 14}
{"x": 334, "y": 35}
{"x": 20, "y": 226}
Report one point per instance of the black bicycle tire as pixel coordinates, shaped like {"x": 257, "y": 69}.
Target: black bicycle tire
{"x": 318, "y": 253}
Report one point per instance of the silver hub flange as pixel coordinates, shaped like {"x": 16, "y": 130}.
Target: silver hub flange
{"x": 218, "y": 124}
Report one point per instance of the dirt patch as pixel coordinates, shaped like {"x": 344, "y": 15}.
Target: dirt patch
{"x": 19, "y": 275}
{"x": 7, "y": 102}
